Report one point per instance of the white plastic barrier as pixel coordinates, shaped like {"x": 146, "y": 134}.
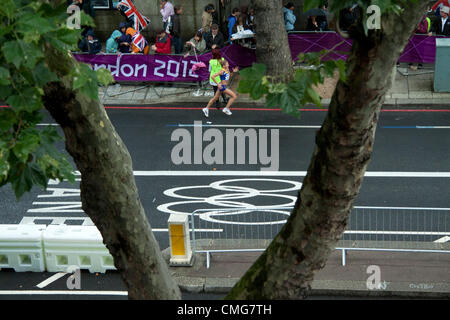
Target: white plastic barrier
{"x": 21, "y": 247}
{"x": 80, "y": 246}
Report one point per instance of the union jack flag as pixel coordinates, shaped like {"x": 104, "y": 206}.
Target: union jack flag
{"x": 437, "y": 4}
{"x": 139, "y": 41}
{"x": 140, "y": 21}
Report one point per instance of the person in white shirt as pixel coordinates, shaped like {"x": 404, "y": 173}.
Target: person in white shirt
{"x": 166, "y": 10}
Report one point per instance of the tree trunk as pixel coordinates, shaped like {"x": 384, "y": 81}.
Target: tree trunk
{"x": 272, "y": 47}
{"x": 108, "y": 190}
{"x": 343, "y": 149}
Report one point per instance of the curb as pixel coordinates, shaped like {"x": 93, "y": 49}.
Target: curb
{"x": 192, "y": 284}
{"x": 318, "y": 288}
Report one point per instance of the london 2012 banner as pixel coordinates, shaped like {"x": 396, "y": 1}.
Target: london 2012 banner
{"x": 177, "y": 68}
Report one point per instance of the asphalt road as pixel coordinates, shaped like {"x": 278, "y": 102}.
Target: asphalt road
{"x": 405, "y": 188}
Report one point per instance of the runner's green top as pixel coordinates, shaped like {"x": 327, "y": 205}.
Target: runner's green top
{"x": 215, "y": 67}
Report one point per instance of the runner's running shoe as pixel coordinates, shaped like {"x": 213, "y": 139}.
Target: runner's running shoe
{"x": 227, "y": 111}
{"x": 206, "y": 112}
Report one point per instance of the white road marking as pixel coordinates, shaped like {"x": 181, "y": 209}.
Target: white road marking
{"x": 381, "y": 174}
{"x": 181, "y": 125}
{"x": 62, "y": 292}
{"x": 402, "y": 208}
{"x": 57, "y": 220}
{"x": 430, "y": 233}
{"x": 60, "y": 206}
{"x": 52, "y": 279}
{"x": 443, "y": 239}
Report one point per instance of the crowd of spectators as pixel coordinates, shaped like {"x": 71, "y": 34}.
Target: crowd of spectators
{"x": 128, "y": 38}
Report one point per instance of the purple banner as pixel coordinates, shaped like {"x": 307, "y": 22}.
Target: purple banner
{"x": 163, "y": 68}
{"x": 420, "y": 48}
{"x": 155, "y": 68}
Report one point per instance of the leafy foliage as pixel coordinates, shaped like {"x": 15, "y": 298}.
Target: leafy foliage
{"x": 29, "y": 155}
{"x": 290, "y": 96}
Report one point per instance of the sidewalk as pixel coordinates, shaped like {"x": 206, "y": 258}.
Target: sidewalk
{"x": 403, "y": 274}
{"x": 410, "y": 88}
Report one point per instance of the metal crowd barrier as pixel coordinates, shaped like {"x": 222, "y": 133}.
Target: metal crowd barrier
{"x": 396, "y": 229}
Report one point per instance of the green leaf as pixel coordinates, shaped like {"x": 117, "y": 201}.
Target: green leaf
{"x": 32, "y": 54}
{"x": 26, "y": 145}
{"x": 7, "y": 119}
{"x": 341, "y": 67}
{"x": 104, "y": 76}
{"x": 37, "y": 175}
{"x": 32, "y": 21}
{"x": 314, "y": 96}
{"x": 20, "y": 179}
{"x": 4, "y": 164}
{"x": 63, "y": 39}
{"x": 42, "y": 75}
{"x": 13, "y": 52}
{"x": 19, "y": 52}
{"x": 28, "y": 99}
{"x": 4, "y": 76}
{"x": 7, "y": 8}
{"x": 5, "y": 91}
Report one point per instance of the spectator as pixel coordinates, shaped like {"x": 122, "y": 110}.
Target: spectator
{"x": 90, "y": 43}
{"x": 112, "y": 44}
{"x": 347, "y": 18}
{"x": 244, "y": 13}
{"x": 441, "y": 26}
{"x": 138, "y": 43}
{"x": 312, "y": 24}
{"x": 197, "y": 43}
{"x": 125, "y": 43}
{"x": 215, "y": 15}
{"x": 162, "y": 44}
{"x": 424, "y": 26}
{"x": 123, "y": 27}
{"x": 124, "y": 40}
{"x": 289, "y": 16}
{"x": 239, "y": 26}
{"x": 176, "y": 31}
{"x": 232, "y": 19}
{"x": 322, "y": 19}
{"x": 251, "y": 19}
{"x": 166, "y": 10}
{"x": 214, "y": 39}
{"x": 207, "y": 19}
